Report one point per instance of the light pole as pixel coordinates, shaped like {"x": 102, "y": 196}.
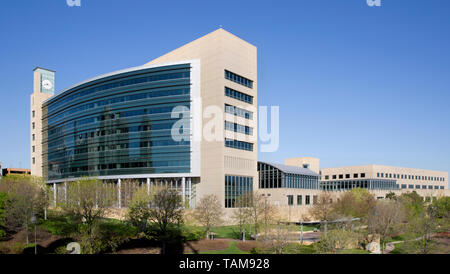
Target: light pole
{"x": 33, "y": 220}
{"x": 301, "y": 233}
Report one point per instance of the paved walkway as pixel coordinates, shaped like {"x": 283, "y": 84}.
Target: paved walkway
{"x": 391, "y": 246}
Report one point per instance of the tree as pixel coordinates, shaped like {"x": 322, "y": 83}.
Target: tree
{"x": 391, "y": 196}
{"x": 357, "y": 203}
{"x": 277, "y": 241}
{"x": 253, "y": 209}
{"x": 323, "y": 209}
{"x": 336, "y": 241}
{"x": 364, "y": 201}
{"x": 413, "y": 203}
{"x": 440, "y": 208}
{"x": 259, "y": 211}
{"x": 209, "y": 212}
{"x": 166, "y": 210}
{"x": 26, "y": 198}
{"x": 240, "y": 214}
{"x": 422, "y": 223}
{"x": 88, "y": 201}
{"x": 420, "y": 230}
{"x": 139, "y": 210}
{"x": 3, "y": 205}
{"x": 269, "y": 214}
{"x": 387, "y": 219}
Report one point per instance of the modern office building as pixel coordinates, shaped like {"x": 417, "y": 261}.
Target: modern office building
{"x": 186, "y": 119}
{"x": 384, "y": 179}
{"x": 296, "y": 185}
{"x": 287, "y": 185}
{"x": 377, "y": 178}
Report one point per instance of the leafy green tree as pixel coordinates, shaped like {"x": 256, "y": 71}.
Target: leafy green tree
{"x": 139, "y": 209}
{"x": 3, "y": 205}
{"x": 440, "y": 208}
{"x": 27, "y": 197}
{"x": 423, "y": 222}
{"x": 336, "y": 241}
{"x": 357, "y": 203}
{"x": 419, "y": 234}
{"x": 413, "y": 203}
{"x": 88, "y": 201}
{"x": 391, "y": 196}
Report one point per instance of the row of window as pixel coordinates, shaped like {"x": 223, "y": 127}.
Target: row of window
{"x": 235, "y": 186}
{"x": 290, "y": 199}
{"x": 411, "y": 177}
{"x": 238, "y": 95}
{"x": 238, "y": 79}
{"x": 122, "y": 83}
{"x": 121, "y": 99}
{"x": 89, "y": 134}
{"x": 350, "y": 184}
{"x": 347, "y": 176}
{"x": 124, "y": 114}
{"x": 238, "y": 128}
{"x": 231, "y": 143}
{"x": 67, "y": 152}
{"x": 423, "y": 187}
{"x": 113, "y": 166}
{"x": 238, "y": 112}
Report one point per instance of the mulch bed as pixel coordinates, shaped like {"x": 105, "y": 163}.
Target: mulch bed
{"x": 206, "y": 245}
{"x": 17, "y": 241}
{"x": 247, "y": 246}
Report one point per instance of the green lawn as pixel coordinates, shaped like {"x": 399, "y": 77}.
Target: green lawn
{"x": 354, "y": 251}
{"x": 398, "y": 249}
{"x": 229, "y": 231}
{"x": 232, "y": 231}
{"x": 232, "y": 249}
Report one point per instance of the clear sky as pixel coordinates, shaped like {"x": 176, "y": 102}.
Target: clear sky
{"x": 355, "y": 84}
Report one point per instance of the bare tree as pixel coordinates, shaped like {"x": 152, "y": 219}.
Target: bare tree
{"x": 165, "y": 210}
{"x": 254, "y": 209}
{"x": 269, "y": 214}
{"x": 387, "y": 219}
{"x": 322, "y": 210}
{"x": 240, "y": 214}
{"x": 277, "y": 240}
{"x": 88, "y": 201}
{"x": 336, "y": 241}
{"x": 209, "y": 212}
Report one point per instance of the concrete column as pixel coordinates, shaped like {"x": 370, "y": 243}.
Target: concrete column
{"x": 148, "y": 186}
{"x": 189, "y": 187}
{"x": 183, "y": 189}
{"x": 119, "y": 193}
{"x": 54, "y": 194}
{"x": 65, "y": 191}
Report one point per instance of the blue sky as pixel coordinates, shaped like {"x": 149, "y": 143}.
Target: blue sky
{"x": 355, "y": 84}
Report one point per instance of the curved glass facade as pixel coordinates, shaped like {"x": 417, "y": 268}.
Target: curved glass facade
{"x": 118, "y": 125}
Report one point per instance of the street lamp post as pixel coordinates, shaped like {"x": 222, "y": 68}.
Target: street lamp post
{"x": 301, "y": 233}
{"x": 33, "y": 220}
